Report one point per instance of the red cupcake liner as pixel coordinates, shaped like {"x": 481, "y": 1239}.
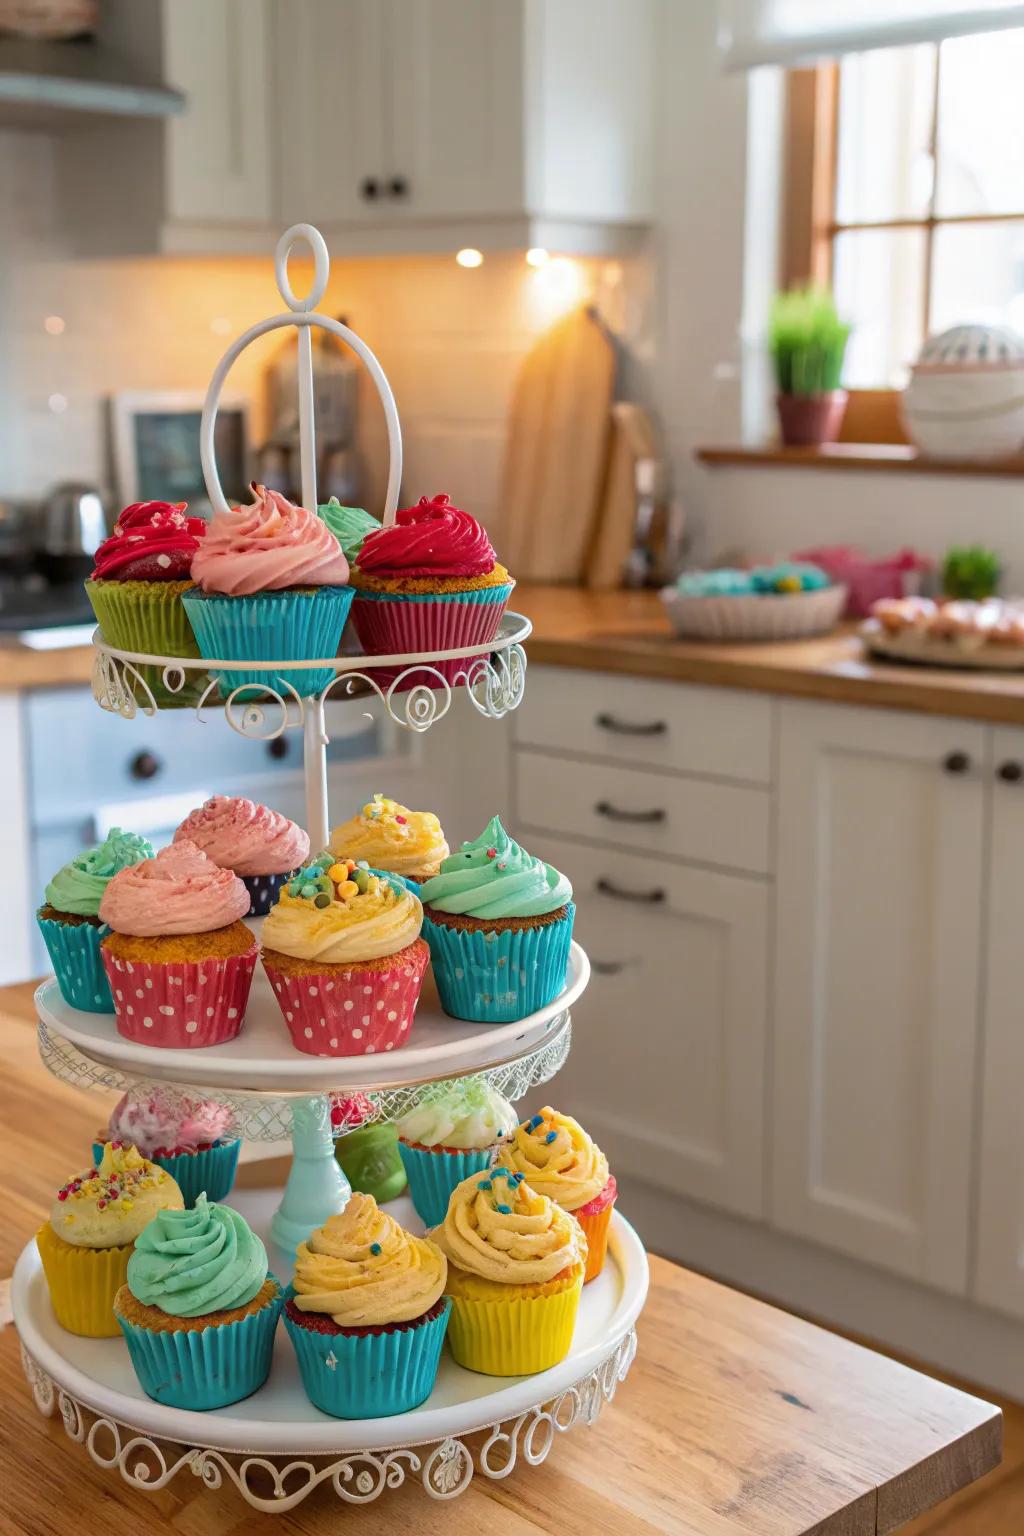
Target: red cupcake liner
{"x": 348, "y": 1011}
{"x": 180, "y": 1003}
{"x": 391, "y": 625}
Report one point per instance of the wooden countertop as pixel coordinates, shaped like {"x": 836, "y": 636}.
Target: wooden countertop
{"x": 736, "y": 1419}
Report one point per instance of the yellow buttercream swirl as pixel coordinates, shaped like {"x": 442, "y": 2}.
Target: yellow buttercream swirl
{"x": 362, "y": 1269}
{"x": 558, "y": 1159}
{"x": 364, "y": 927}
{"x": 391, "y": 837}
{"x": 499, "y": 1228}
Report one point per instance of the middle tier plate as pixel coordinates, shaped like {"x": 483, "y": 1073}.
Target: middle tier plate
{"x": 262, "y": 1058}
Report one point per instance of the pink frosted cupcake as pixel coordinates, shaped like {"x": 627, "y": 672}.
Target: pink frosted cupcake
{"x": 179, "y": 960}
{"x": 262, "y": 847}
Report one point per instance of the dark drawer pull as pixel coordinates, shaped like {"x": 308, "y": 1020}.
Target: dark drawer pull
{"x": 628, "y": 728}
{"x": 1011, "y": 772}
{"x": 613, "y": 813}
{"x": 956, "y": 762}
{"x": 647, "y": 898}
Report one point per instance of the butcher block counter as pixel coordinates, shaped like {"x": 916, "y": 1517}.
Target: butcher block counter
{"x": 627, "y": 633}
{"x": 735, "y": 1420}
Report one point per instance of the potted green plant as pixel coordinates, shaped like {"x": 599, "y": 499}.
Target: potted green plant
{"x": 970, "y": 572}
{"x": 807, "y": 341}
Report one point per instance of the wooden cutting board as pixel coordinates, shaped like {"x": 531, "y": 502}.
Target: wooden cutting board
{"x": 556, "y": 451}
{"x": 632, "y": 438}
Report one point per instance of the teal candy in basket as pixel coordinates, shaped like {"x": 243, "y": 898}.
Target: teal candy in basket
{"x": 200, "y": 1308}
{"x": 69, "y": 920}
{"x": 499, "y": 925}
{"x": 189, "y": 1138}
{"x": 271, "y": 586}
{"x": 455, "y": 1130}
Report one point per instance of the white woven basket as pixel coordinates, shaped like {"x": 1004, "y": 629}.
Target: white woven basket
{"x": 757, "y": 616}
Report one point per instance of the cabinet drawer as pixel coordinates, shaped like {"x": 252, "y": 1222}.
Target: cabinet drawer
{"x": 652, "y": 725}
{"x": 723, "y": 824}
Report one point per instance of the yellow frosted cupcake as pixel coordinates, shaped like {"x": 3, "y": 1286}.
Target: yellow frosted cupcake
{"x": 555, "y": 1154}
{"x": 515, "y": 1272}
{"x": 90, "y": 1236}
{"x": 391, "y": 838}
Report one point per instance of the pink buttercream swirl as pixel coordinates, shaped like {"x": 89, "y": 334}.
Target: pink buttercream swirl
{"x": 432, "y": 538}
{"x": 155, "y": 1124}
{"x": 244, "y": 836}
{"x": 180, "y": 891}
{"x": 266, "y": 546}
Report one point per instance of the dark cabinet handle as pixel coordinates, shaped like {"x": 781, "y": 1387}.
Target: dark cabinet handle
{"x": 607, "y": 967}
{"x": 144, "y": 765}
{"x": 398, "y": 186}
{"x": 369, "y": 188}
{"x": 956, "y": 762}
{"x": 613, "y": 813}
{"x": 647, "y": 898}
{"x": 277, "y": 748}
{"x": 628, "y": 728}
{"x": 1011, "y": 772}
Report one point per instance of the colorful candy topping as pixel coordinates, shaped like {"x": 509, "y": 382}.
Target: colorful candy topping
{"x": 329, "y": 879}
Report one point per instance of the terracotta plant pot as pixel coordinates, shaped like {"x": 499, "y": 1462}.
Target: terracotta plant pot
{"x": 807, "y": 420}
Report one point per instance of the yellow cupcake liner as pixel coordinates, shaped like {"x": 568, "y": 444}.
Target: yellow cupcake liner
{"x": 83, "y": 1283}
{"x": 515, "y": 1333}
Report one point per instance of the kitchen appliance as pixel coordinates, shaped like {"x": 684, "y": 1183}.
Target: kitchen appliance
{"x": 70, "y": 529}
{"x": 336, "y": 403}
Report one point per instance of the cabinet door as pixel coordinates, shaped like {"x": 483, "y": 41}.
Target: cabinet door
{"x": 332, "y": 106}
{"x": 218, "y": 151}
{"x": 999, "y": 1278}
{"x": 878, "y": 936}
{"x": 667, "y": 1069}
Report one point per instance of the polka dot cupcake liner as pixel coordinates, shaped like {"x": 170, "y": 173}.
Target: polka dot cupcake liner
{"x": 181, "y": 1003}
{"x": 345, "y": 1011}
{"x": 264, "y": 891}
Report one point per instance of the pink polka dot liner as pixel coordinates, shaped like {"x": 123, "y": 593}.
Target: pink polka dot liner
{"x": 345, "y": 1011}
{"x": 182, "y": 1003}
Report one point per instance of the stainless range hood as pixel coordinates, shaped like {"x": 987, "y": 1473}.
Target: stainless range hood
{"x": 47, "y": 85}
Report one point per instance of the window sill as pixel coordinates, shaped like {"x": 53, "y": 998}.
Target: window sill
{"x": 886, "y": 457}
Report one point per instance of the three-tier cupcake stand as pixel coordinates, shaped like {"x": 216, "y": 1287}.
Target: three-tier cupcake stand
{"x": 276, "y": 1447}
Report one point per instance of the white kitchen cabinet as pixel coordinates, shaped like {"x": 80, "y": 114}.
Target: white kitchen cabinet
{"x": 999, "y": 1273}
{"x": 880, "y": 839}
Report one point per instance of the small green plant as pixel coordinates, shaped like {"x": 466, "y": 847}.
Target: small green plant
{"x": 970, "y": 572}
{"x": 807, "y": 341}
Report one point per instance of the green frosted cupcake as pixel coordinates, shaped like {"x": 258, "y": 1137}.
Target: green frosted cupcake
{"x": 457, "y": 1129}
{"x": 69, "y": 920}
{"x": 350, "y": 525}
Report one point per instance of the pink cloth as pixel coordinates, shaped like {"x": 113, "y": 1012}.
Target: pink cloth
{"x": 180, "y": 891}
{"x": 244, "y": 836}
{"x": 266, "y": 546}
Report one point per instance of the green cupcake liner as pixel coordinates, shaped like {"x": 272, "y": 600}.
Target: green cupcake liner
{"x": 149, "y": 616}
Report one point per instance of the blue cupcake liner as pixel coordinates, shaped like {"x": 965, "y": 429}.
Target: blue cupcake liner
{"x": 483, "y": 595}
{"x": 369, "y": 1375}
{"x": 287, "y": 625}
{"x": 204, "y": 1368}
{"x": 495, "y": 976}
{"x": 74, "y": 950}
{"x": 433, "y": 1175}
{"x": 264, "y": 891}
{"x": 210, "y": 1172}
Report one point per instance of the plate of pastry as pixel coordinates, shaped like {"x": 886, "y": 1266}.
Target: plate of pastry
{"x": 987, "y": 635}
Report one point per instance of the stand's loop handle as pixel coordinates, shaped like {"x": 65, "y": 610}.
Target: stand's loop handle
{"x": 321, "y": 266}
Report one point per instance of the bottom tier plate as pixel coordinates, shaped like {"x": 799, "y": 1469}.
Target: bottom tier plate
{"x": 523, "y": 1414}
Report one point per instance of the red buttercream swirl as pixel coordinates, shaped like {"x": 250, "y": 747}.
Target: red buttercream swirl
{"x": 432, "y": 538}
{"x": 151, "y": 541}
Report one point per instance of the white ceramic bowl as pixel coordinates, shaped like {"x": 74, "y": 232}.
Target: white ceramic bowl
{"x": 965, "y": 398}
{"x": 755, "y": 616}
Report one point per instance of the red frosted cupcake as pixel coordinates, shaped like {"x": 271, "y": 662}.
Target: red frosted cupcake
{"x": 263, "y": 847}
{"x": 430, "y": 582}
{"x": 345, "y": 959}
{"x": 179, "y": 960}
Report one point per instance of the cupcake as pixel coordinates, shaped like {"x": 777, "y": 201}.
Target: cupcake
{"x": 136, "y": 588}
{"x": 389, "y": 837}
{"x": 262, "y": 847}
{"x": 87, "y": 1242}
{"x": 499, "y": 925}
{"x": 270, "y": 585}
{"x": 429, "y": 582}
{"x": 350, "y": 525}
{"x": 366, "y": 1149}
{"x": 187, "y": 1138}
{"x": 558, "y": 1159}
{"x": 179, "y": 960}
{"x": 345, "y": 959}
{"x": 367, "y": 1314}
{"x": 515, "y": 1272}
{"x": 70, "y": 922}
{"x": 199, "y": 1308}
{"x": 454, "y": 1131}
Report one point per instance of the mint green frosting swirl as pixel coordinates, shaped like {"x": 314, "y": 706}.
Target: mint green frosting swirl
{"x": 350, "y": 525}
{"x": 78, "y": 887}
{"x": 494, "y": 877}
{"x": 189, "y": 1263}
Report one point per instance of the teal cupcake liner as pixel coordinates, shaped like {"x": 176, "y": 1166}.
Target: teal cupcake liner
{"x": 210, "y": 1172}
{"x": 433, "y": 1175}
{"x": 204, "y": 1368}
{"x": 369, "y": 1375}
{"x": 74, "y": 950}
{"x": 483, "y": 596}
{"x": 270, "y": 626}
{"x": 495, "y": 976}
